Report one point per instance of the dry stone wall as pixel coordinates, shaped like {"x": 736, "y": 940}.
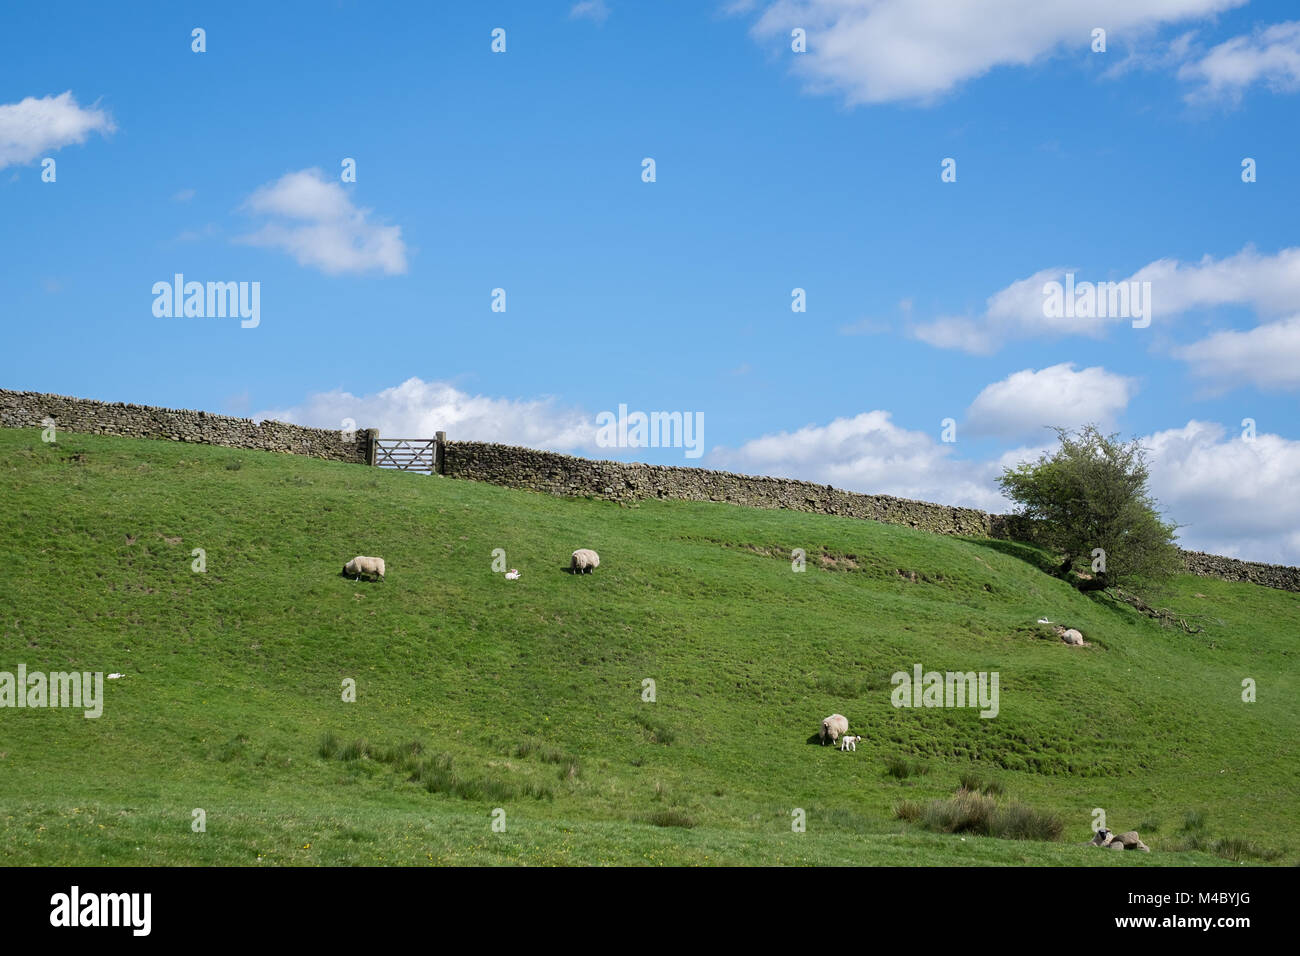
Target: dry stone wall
{"x": 30, "y": 409}
{"x": 1232, "y": 569}
{"x": 618, "y": 481}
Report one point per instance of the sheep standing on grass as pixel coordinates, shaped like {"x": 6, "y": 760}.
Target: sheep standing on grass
{"x": 850, "y": 742}
{"x": 371, "y": 567}
{"x": 835, "y": 726}
{"x": 584, "y": 561}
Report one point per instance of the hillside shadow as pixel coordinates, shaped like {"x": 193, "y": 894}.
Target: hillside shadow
{"x": 1027, "y": 553}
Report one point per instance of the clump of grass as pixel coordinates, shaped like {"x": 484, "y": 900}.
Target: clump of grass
{"x": 436, "y": 774}
{"x": 1238, "y": 849}
{"x": 967, "y": 812}
{"x": 972, "y": 812}
{"x": 659, "y": 732}
{"x": 902, "y": 768}
{"x": 357, "y": 750}
{"x": 544, "y": 752}
{"x": 538, "y": 791}
{"x": 908, "y": 811}
{"x": 1194, "y": 821}
{"x": 670, "y": 818}
{"x": 399, "y": 755}
{"x": 1151, "y": 825}
{"x": 977, "y": 784}
{"x": 234, "y": 465}
{"x": 1021, "y": 822}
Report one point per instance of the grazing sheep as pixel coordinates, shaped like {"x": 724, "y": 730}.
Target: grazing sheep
{"x": 850, "y": 743}
{"x": 372, "y": 567}
{"x": 835, "y": 726}
{"x": 584, "y": 561}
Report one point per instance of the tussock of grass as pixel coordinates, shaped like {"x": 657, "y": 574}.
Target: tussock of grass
{"x": 437, "y": 773}
{"x": 909, "y": 811}
{"x": 670, "y": 818}
{"x": 972, "y": 812}
{"x": 977, "y": 784}
{"x": 902, "y": 768}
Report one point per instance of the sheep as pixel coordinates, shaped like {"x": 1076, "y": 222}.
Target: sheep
{"x": 850, "y": 743}
{"x": 584, "y": 561}
{"x": 1071, "y": 636}
{"x": 373, "y": 567}
{"x": 1120, "y": 841}
{"x": 835, "y": 726}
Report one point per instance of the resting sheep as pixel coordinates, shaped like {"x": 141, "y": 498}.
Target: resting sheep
{"x": 835, "y": 726}
{"x": 372, "y": 567}
{"x": 584, "y": 561}
{"x": 1071, "y": 636}
{"x": 850, "y": 743}
{"x": 1121, "y": 841}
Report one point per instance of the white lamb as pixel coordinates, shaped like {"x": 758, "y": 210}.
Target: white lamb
{"x": 584, "y": 561}
{"x": 850, "y": 743}
{"x": 835, "y": 726}
{"x": 371, "y": 567}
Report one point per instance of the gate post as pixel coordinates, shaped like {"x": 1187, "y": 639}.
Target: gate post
{"x": 372, "y": 445}
{"x": 440, "y": 453}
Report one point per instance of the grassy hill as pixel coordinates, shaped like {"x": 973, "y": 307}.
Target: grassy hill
{"x": 474, "y": 692}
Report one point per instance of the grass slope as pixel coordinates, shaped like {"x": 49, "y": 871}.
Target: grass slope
{"x": 474, "y": 692}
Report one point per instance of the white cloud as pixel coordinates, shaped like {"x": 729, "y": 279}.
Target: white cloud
{"x": 32, "y": 127}
{"x": 1235, "y": 497}
{"x": 418, "y": 409}
{"x": 184, "y": 195}
{"x": 1025, "y": 402}
{"x": 1270, "y": 56}
{"x": 877, "y": 51}
{"x": 1267, "y": 356}
{"x": 589, "y": 10}
{"x": 321, "y": 227}
{"x": 868, "y": 453}
{"x": 1269, "y": 285}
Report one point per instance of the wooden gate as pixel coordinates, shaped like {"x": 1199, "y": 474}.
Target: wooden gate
{"x": 407, "y": 454}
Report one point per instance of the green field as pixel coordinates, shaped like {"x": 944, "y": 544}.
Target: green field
{"x": 476, "y": 693}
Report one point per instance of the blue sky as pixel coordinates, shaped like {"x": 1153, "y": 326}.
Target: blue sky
{"x": 775, "y": 170}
